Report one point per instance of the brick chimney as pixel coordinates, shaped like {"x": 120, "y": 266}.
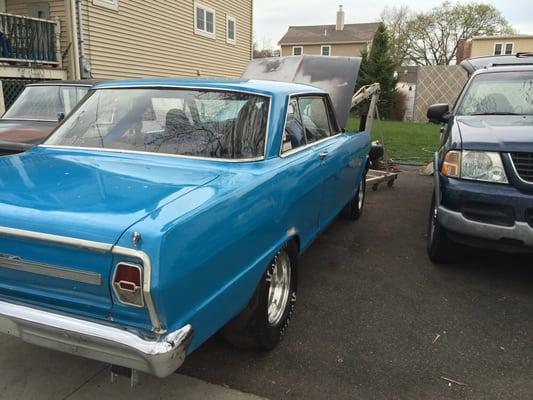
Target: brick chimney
{"x": 340, "y": 19}
{"x": 464, "y": 50}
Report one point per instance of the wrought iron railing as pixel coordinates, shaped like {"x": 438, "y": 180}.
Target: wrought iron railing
{"x": 24, "y": 39}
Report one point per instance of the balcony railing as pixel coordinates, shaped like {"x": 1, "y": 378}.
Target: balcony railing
{"x": 29, "y": 40}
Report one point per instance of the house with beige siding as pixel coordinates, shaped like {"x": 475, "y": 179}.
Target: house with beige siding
{"x": 116, "y": 39}
{"x": 482, "y": 46}
{"x": 338, "y": 39}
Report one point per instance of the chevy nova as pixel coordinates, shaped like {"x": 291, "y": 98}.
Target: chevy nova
{"x": 162, "y": 211}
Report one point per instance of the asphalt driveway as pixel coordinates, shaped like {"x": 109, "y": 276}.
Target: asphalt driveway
{"x": 374, "y": 320}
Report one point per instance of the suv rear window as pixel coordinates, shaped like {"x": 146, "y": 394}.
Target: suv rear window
{"x": 45, "y": 102}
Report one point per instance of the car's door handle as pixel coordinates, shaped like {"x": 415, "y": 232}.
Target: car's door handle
{"x": 323, "y": 155}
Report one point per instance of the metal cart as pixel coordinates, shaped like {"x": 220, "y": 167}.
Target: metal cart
{"x": 374, "y": 177}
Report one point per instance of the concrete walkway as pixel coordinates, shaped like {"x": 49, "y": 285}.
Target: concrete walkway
{"x": 30, "y": 372}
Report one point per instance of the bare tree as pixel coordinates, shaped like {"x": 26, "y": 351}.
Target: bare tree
{"x": 397, "y": 20}
{"x": 431, "y": 38}
{"x": 265, "y": 50}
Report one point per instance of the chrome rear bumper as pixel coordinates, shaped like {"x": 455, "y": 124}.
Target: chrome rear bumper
{"x": 96, "y": 341}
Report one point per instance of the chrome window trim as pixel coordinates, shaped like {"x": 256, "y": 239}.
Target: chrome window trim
{"x": 149, "y": 153}
{"x": 515, "y": 171}
{"x": 129, "y": 264}
{"x": 18, "y": 264}
{"x": 101, "y": 248}
{"x": 29, "y": 119}
{"x": 82, "y": 85}
{"x": 308, "y": 145}
{"x": 171, "y": 86}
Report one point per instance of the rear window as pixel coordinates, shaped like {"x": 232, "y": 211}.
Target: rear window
{"x": 45, "y": 102}
{"x": 499, "y": 93}
{"x": 200, "y": 123}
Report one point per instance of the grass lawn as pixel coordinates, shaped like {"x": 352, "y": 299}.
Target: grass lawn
{"x": 406, "y": 142}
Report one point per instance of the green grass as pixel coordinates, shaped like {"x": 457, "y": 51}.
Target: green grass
{"x": 406, "y": 142}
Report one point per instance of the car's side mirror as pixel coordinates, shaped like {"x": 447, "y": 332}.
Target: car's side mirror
{"x": 439, "y": 113}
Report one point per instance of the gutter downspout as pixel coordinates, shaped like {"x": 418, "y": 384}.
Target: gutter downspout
{"x": 84, "y": 65}
{"x": 74, "y": 35}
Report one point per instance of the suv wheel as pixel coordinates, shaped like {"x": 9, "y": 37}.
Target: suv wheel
{"x": 439, "y": 247}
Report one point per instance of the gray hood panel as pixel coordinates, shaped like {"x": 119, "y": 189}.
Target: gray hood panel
{"x": 335, "y": 75}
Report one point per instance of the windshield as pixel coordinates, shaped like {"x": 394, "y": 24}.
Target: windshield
{"x": 200, "y": 123}
{"x": 45, "y": 102}
{"x": 499, "y": 93}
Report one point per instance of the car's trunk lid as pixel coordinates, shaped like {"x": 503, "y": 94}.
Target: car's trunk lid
{"x": 25, "y": 131}
{"x": 81, "y": 196}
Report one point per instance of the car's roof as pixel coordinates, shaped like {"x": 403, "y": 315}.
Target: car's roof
{"x": 506, "y": 68}
{"x": 84, "y": 82}
{"x": 473, "y": 64}
{"x": 253, "y": 86}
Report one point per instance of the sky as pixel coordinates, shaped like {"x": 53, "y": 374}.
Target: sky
{"x": 273, "y": 17}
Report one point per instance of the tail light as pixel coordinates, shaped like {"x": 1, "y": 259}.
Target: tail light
{"x": 127, "y": 284}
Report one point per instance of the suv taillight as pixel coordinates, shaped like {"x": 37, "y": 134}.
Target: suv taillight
{"x": 127, "y": 284}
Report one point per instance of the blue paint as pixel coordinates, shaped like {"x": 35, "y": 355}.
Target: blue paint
{"x": 209, "y": 227}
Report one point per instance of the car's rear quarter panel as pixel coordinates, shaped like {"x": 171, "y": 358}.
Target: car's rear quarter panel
{"x": 208, "y": 262}
{"x": 210, "y": 248}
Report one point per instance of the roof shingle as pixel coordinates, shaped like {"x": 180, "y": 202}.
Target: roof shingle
{"x": 326, "y": 34}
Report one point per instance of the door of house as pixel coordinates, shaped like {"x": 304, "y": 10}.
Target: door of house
{"x": 2, "y": 5}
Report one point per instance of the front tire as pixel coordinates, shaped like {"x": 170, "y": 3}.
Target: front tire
{"x": 354, "y": 209}
{"x": 263, "y": 324}
{"x": 439, "y": 247}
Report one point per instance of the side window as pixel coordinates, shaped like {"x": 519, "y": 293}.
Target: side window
{"x": 293, "y": 135}
{"x": 315, "y": 118}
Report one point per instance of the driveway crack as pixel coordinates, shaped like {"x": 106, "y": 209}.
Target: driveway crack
{"x": 84, "y": 383}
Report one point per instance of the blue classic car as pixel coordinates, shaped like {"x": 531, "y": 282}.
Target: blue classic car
{"x": 162, "y": 211}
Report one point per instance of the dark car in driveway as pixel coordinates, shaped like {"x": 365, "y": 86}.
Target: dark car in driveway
{"x": 36, "y": 112}
{"x": 484, "y": 168}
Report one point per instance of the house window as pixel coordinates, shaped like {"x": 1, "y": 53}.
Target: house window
{"x": 111, "y": 4}
{"x": 498, "y": 49}
{"x": 325, "y": 50}
{"x": 204, "y": 20}
{"x": 508, "y": 48}
{"x": 297, "y": 50}
{"x": 231, "y": 30}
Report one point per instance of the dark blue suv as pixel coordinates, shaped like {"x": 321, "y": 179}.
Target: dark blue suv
{"x": 484, "y": 168}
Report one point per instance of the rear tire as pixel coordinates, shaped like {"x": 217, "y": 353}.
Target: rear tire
{"x": 439, "y": 247}
{"x": 263, "y": 323}
{"x": 354, "y": 209}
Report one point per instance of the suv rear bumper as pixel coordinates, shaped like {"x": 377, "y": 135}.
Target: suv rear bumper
{"x": 159, "y": 357}
{"x": 519, "y": 232}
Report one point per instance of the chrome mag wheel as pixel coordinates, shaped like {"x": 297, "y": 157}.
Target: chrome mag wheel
{"x": 280, "y": 288}
{"x": 361, "y": 194}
